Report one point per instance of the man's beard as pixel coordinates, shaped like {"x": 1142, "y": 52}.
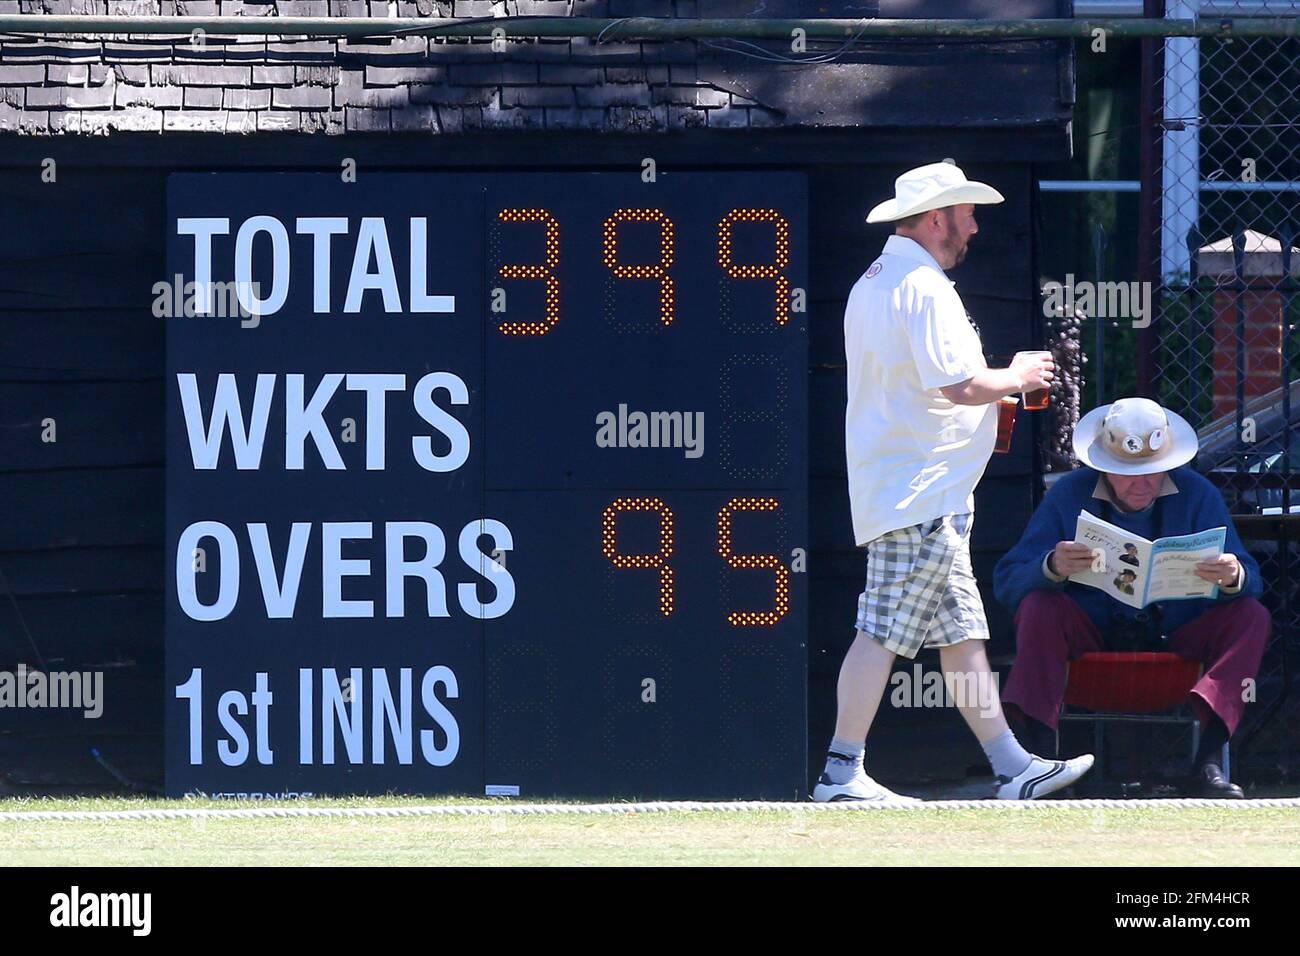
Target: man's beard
{"x": 956, "y": 249}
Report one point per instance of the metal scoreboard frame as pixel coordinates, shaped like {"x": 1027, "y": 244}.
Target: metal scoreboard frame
{"x": 487, "y": 482}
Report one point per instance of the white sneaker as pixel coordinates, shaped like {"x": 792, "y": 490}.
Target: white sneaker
{"x": 1042, "y": 777}
{"x": 860, "y": 788}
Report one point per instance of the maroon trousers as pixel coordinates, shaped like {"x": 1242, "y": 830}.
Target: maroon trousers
{"x": 1052, "y": 630}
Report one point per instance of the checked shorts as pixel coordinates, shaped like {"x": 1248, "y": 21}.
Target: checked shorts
{"x": 921, "y": 589}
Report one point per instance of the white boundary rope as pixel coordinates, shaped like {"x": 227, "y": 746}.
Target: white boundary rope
{"x": 688, "y": 806}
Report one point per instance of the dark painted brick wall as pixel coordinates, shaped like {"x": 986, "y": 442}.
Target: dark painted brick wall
{"x": 252, "y": 84}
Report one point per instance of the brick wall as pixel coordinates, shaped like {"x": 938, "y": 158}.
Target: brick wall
{"x": 61, "y": 85}
{"x": 152, "y": 84}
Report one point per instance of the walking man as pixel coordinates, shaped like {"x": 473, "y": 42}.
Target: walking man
{"x": 919, "y": 429}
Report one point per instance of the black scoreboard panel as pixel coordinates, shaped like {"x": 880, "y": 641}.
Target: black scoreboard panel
{"x": 669, "y": 626}
{"x": 614, "y": 463}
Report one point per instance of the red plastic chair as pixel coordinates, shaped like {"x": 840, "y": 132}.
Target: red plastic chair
{"x": 1131, "y": 687}
{"x": 1130, "y": 682}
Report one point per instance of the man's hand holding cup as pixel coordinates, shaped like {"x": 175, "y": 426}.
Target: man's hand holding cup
{"x": 1036, "y": 371}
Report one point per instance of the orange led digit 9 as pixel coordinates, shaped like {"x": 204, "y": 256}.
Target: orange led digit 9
{"x": 781, "y": 259}
{"x": 782, "y": 599}
{"x": 544, "y": 271}
{"x": 609, "y": 546}
{"x": 667, "y": 303}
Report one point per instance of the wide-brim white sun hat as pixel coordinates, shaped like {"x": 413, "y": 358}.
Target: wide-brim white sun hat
{"x": 932, "y": 187}
{"x": 1134, "y": 436}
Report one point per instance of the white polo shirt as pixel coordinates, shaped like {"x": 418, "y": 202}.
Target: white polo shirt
{"x": 912, "y": 454}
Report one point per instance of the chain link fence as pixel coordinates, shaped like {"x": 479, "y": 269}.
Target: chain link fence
{"x": 1218, "y": 224}
{"x": 1222, "y": 353}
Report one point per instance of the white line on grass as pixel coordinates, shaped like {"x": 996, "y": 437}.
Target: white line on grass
{"x": 551, "y": 809}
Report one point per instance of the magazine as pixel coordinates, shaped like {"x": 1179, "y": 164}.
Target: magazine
{"x": 1138, "y": 572}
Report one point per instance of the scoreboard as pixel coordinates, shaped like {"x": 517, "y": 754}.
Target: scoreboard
{"x": 486, "y": 483}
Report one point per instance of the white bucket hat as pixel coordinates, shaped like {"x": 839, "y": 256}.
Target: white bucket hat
{"x": 932, "y": 187}
{"x": 1134, "y": 436}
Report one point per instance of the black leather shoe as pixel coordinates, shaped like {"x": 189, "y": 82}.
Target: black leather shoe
{"x": 1210, "y": 782}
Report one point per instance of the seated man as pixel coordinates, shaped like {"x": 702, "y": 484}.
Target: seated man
{"x": 1134, "y": 451}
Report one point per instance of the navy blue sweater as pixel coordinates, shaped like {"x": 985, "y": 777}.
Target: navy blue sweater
{"x": 1197, "y": 506}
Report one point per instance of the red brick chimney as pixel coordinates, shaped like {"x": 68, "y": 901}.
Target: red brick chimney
{"x": 1261, "y": 271}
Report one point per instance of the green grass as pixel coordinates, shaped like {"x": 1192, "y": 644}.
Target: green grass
{"x": 1062, "y": 835}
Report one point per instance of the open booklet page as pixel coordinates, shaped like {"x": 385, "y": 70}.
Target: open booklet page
{"x": 1136, "y": 571}
{"x": 1173, "y": 565}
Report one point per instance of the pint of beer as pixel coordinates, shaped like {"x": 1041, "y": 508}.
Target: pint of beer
{"x": 1036, "y": 400}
